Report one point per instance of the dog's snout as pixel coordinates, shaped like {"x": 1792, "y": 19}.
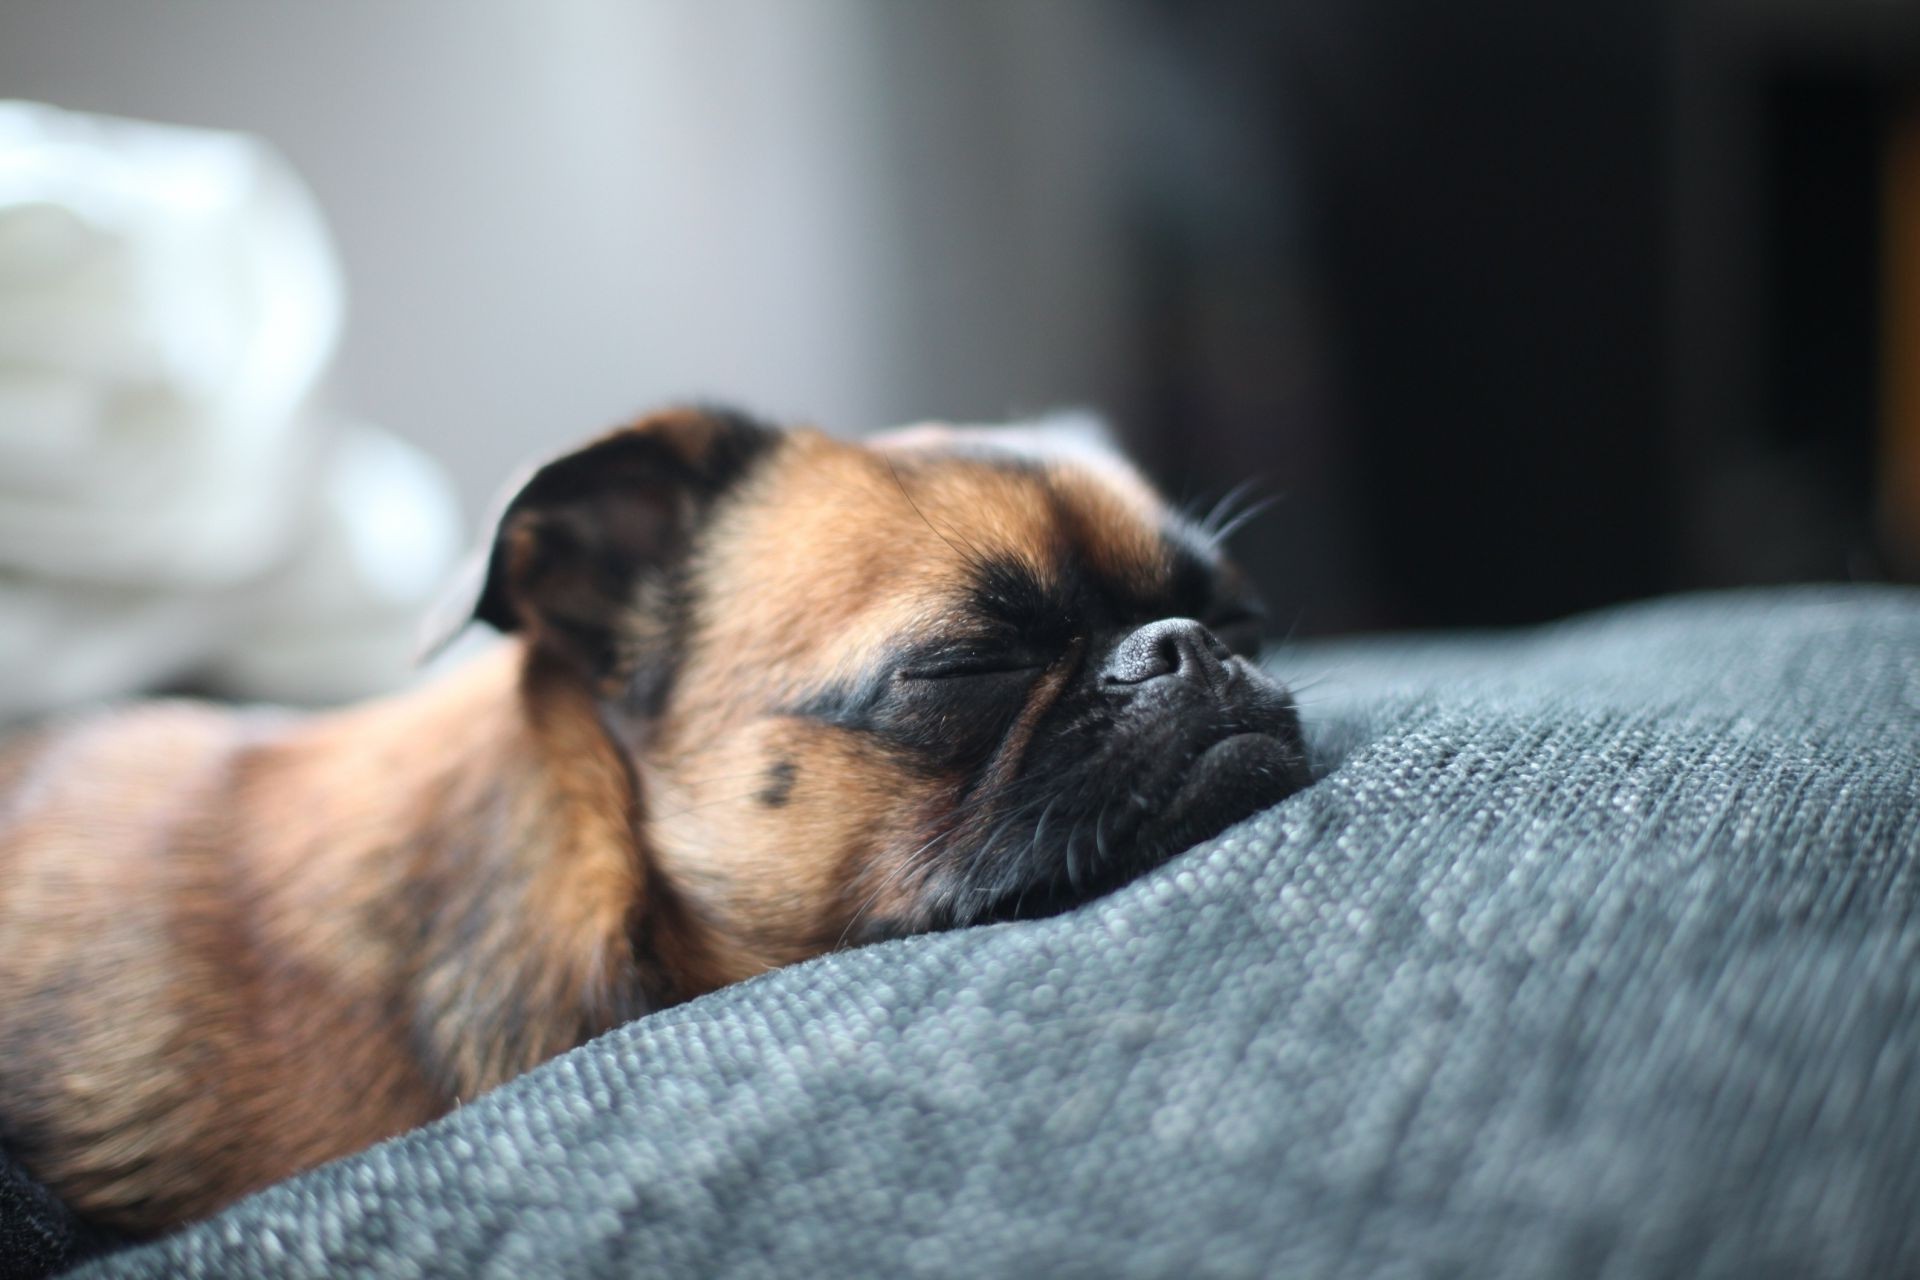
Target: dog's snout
{"x": 1178, "y": 647}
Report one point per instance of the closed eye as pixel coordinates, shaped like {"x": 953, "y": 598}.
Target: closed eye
{"x": 964, "y": 667}
{"x": 962, "y": 658}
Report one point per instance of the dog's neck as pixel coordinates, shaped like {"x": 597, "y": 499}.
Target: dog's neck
{"x": 476, "y": 842}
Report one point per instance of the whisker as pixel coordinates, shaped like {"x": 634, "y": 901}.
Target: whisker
{"x": 1254, "y": 511}
{"x": 1222, "y": 510}
{"x": 972, "y": 556}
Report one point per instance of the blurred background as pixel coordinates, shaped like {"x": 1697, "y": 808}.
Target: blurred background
{"x": 1518, "y": 309}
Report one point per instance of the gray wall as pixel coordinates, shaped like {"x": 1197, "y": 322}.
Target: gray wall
{"x": 552, "y": 213}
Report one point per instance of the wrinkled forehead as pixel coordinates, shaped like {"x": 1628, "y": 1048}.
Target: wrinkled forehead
{"x": 839, "y": 549}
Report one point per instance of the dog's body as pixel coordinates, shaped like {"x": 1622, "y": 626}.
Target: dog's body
{"x": 768, "y": 693}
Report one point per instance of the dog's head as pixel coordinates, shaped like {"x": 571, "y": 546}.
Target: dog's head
{"x": 943, "y": 677}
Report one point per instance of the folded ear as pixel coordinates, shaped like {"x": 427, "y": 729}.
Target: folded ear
{"x": 583, "y": 555}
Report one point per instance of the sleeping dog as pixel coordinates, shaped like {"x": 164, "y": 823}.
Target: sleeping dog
{"x": 766, "y": 693}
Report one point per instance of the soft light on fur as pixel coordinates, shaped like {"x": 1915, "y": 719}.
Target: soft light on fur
{"x": 766, "y": 693}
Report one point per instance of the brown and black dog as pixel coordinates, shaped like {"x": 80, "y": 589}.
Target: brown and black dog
{"x": 767, "y": 693}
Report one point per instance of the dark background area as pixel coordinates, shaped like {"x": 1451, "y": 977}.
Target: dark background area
{"x": 1516, "y": 309}
{"x": 1480, "y": 201}
{"x": 1596, "y": 294}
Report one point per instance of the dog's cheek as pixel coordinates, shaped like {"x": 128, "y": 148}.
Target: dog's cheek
{"x": 786, "y": 831}
{"x": 863, "y": 821}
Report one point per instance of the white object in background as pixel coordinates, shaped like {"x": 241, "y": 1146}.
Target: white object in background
{"x": 386, "y": 535}
{"x": 170, "y": 504}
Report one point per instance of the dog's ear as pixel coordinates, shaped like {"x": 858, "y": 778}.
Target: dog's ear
{"x": 583, "y": 554}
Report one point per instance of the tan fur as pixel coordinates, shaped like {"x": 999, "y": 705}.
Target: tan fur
{"x": 234, "y": 959}
{"x": 843, "y": 551}
{"x": 234, "y": 945}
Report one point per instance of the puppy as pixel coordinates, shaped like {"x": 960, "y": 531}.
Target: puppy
{"x": 767, "y": 693}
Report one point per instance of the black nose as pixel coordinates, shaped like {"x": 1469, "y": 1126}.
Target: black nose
{"x": 1177, "y": 647}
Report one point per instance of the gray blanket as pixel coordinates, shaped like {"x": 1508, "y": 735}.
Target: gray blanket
{"x": 1593, "y": 951}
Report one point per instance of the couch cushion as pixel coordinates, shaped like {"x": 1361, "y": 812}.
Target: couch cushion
{"x": 1593, "y": 951}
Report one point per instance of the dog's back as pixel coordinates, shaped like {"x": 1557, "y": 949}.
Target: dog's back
{"x": 140, "y": 1016}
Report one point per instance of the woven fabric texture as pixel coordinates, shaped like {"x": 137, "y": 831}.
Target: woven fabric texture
{"x": 38, "y": 1235}
{"x": 1592, "y": 951}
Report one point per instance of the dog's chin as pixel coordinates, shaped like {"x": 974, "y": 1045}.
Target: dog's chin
{"x": 1227, "y": 782}
{"x": 1233, "y": 779}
